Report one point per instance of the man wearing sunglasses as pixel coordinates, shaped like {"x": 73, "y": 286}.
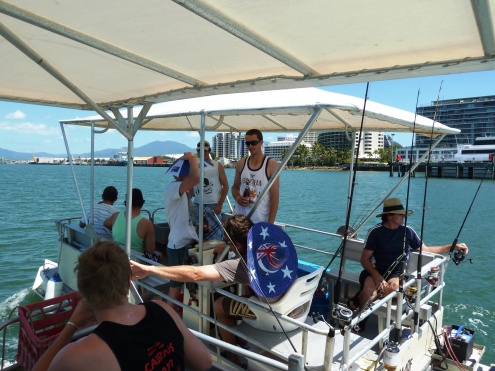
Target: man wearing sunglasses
{"x": 251, "y": 177}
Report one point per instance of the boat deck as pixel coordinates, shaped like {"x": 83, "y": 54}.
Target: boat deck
{"x": 280, "y": 344}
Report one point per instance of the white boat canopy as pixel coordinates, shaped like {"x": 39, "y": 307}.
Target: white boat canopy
{"x": 279, "y": 110}
{"x": 96, "y": 55}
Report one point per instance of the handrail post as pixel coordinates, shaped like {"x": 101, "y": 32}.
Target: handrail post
{"x": 296, "y": 362}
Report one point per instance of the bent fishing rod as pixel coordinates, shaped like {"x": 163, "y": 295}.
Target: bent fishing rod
{"x": 338, "y": 284}
{"x": 459, "y": 255}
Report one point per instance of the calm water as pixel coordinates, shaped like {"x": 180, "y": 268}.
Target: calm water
{"x": 33, "y": 197}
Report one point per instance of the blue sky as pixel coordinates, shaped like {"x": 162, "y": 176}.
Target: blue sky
{"x": 27, "y": 128}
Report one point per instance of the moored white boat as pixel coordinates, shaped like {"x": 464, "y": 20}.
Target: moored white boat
{"x": 482, "y": 150}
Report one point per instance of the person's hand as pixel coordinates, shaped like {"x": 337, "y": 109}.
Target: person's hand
{"x": 243, "y": 201}
{"x": 82, "y": 314}
{"x": 218, "y": 209}
{"x": 139, "y": 271}
{"x": 462, "y": 247}
{"x": 188, "y": 156}
{"x": 381, "y": 286}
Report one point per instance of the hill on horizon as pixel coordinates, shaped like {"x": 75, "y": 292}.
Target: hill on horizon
{"x": 156, "y": 148}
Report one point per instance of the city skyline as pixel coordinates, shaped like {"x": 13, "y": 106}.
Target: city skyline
{"x": 27, "y": 128}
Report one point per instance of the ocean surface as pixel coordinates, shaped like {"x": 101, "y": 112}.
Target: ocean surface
{"x": 32, "y": 197}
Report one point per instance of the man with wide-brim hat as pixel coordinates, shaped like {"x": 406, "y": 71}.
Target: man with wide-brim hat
{"x": 385, "y": 243}
{"x": 266, "y": 262}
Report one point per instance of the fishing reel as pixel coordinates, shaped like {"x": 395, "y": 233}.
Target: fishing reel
{"x": 341, "y": 316}
{"x": 459, "y": 256}
{"x": 433, "y": 276}
{"x": 411, "y": 293}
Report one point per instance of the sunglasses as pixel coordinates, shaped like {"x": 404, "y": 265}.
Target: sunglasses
{"x": 251, "y": 142}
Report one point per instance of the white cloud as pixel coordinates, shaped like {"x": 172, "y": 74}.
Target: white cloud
{"x": 17, "y": 115}
{"x": 30, "y": 129}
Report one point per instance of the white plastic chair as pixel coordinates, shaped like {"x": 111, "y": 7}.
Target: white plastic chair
{"x": 299, "y": 294}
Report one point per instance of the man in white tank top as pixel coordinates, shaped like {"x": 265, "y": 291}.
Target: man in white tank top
{"x": 251, "y": 177}
{"x": 215, "y": 189}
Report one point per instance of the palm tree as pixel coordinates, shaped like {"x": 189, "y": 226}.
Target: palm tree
{"x": 303, "y": 153}
{"x": 318, "y": 152}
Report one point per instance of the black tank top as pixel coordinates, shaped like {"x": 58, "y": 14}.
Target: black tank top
{"x": 154, "y": 343}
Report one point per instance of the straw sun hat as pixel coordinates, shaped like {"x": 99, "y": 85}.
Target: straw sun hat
{"x": 394, "y": 206}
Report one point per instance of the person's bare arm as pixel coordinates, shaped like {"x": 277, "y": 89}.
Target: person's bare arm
{"x": 193, "y": 177}
{"x": 145, "y": 226}
{"x": 108, "y": 223}
{"x": 225, "y": 188}
{"x": 197, "y": 356}
{"x": 82, "y": 314}
{"x": 444, "y": 249}
{"x": 179, "y": 273}
{"x": 274, "y": 192}
{"x": 236, "y": 187}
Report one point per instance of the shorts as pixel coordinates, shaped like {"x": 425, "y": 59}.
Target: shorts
{"x": 177, "y": 257}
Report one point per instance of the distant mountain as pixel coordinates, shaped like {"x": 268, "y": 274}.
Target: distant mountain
{"x": 156, "y": 148}
{"x": 159, "y": 148}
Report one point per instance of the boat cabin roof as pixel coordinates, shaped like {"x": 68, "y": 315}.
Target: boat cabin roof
{"x": 116, "y": 53}
{"x": 280, "y": 110}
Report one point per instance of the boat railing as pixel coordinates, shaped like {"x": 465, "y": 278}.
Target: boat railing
{"x": 273, "y": 364}
{"x": 425, "y": 294}
{"x": 400, "y": 317}
{"x": 225, "y": 346}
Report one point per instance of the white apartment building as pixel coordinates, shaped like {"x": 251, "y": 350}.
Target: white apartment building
{"x": 228, "y": 145}
{"x": 370, "y": 142}
{"x": 275, "y": 149}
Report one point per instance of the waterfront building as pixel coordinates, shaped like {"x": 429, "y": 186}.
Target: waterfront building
{"x": 474, "y": 116}
{"x": 311, "y": 137}
{"x": 228, "y": 145}
{"x": 370, "y": 142}
{"x": 437, "y": 154}
{"x": 276, "y": 149}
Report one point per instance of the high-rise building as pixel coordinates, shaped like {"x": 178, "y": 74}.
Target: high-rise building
{"x": 229, "y": 145}
{"x": 370, "y": 141}
{"x": 475, "y": 117}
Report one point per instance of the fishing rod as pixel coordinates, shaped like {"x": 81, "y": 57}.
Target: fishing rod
{"x": 338, "y": 284}
{"x": 402, "y": 263}
{"x": 459, "y": 255}
{"x": 426, "y": 169}
{"x": 420, "y": 262}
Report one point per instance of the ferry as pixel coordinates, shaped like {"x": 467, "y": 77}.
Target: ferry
{"x": 482, "y": 150}
{"x": 123, "y": 60}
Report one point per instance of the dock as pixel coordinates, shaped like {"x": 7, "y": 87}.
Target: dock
{"x": 466, "y": 170}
